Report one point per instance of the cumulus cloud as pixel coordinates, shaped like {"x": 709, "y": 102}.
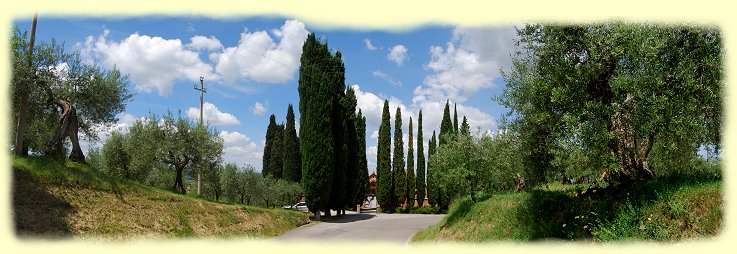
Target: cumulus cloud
{"x": 389, "y": 79}
{"x": 212, "y": 115}
{"x": 125, "y": 121}
{"x": 152, "y": 63}
{"x": 200, "y": 42}
{"x": 258, "y": 57}
{"x": 258, "y": 109}
{"x": 397, "y": 54}
{"x": 369, "y": 46}
{"x": 470, "y": 61}
{"x": 241, "y": 150}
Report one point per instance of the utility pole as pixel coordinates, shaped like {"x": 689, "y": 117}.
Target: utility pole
{"x": 23, "y": 103}
{"x": 202, "y": 93}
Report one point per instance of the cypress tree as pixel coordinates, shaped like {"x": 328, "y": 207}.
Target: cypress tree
{"x": 455, "y": 118}
{"x": 352, "y": 146}
{"x": 292, "y": 162}
{"x": 400, "y": 175}
{"x": 410, "y": 196}
{"x": 277, "y": 152}
{"x": 316, "y": 100}
{"x": 446, "y": 125}
{"x": 362, "y": 181}
{"x": 268, "y": 146}
{"x": 384, "y": 179}
{"x": 336, "y": 72}
{"x": 432, "y": 192}
{"x": 420, "y": 180}
{"x": 465, "y": 128}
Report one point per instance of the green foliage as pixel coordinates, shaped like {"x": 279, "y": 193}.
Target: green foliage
{"x": 384, "y": 178}
{"x": 273, "y": 149}
{"x": 433, "y": 191}
{"x": 54, "y": 75}
{"x": 411, "y": 189}
{"x": 614, "y": 90}
{"x": 116, "y": 159}
{"x": 399, "y": 174}
{"x": 465, "y": 128}
{"x": 420, "y": 180}
{"x": 455, "y": 118}
{"x": 292, "y": 162}
{"x": 446, "y": 125}
{"x": 362, "y": 181}
{"x": 351, "y": 148}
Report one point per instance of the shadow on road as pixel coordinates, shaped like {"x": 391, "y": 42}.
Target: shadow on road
{"x": 349, "y": 218}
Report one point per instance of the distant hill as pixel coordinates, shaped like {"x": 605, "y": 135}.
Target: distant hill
{"x": 62, "y": 199}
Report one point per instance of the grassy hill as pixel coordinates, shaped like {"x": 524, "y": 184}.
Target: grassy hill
{"x": 664, "y": 209}
{"x": 66, "y": 199}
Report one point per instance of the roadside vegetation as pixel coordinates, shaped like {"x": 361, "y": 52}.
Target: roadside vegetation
{"x": 63, "y": 199}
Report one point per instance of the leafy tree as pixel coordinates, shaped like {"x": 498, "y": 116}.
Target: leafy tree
{"x": 410, "y": 193}
{"x": 362, "y": 181}
{"x": 446, "y": 125}
{"x": 384, "y": 178}
{"x": 115, "y": 157}
{"x": 455, "y": 118}
{"x": 213, "y": 187}
{"x": 64, "y": 95}
{"x": 616, "y": 89}
{"x": 292, "y": 162}
{"x": 398, "y": 171}
{"x": 420, "y": 180}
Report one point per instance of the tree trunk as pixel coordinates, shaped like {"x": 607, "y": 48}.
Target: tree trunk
{"x": 69, "y": 127}
{"x": 178, "y": 182}
{"x": 631, "y": 151}
{"x": 327, "y": 213}
{"x": 20, "y": 130}
{"x": 317, "y": 214}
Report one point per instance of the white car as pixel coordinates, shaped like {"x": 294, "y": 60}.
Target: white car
{"x": 301, "y": 206}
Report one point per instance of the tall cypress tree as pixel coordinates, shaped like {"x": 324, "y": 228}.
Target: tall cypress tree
{"x": 316, "y": 98}
{"x": 336, "y": 72}
{"x": 362, "y": 181}
{"x": 455, "y": 118}
{"x": 420, "y": 180}
{"x": 268, "y": 147}
{"x": 277, "y": 152}
{"x": 446, "y": 125}
{"x": 384, "y": 179}
{"x": 432, "y": 192}
{"x": 352, "y": 147}
{"x": 292, "y": 162}
{"x": 410, "y": 196}
{"x": 400, "y": 175}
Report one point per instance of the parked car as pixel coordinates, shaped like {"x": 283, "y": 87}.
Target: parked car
{"x": 301, "y": 206}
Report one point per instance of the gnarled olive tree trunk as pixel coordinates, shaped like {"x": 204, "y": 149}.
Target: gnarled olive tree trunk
{"x": 69, "y": 127}
{"x": 631, "y": 150}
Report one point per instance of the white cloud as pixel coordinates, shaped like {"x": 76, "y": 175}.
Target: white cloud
{"x": 212, "y": 115}
{"x": 371, "y": 152}
{"x": 200, "y": 42}
{"x": 258, "y": 109}
{"x": 239, "y": 149}
{"x": 369, "y": 46}
{"x": 469, "y": 62}
{"x": 151, "y": 62}
{"x": 397, "y": 54}
{"x": 258, "y": 57}
{"x": 391, "y": 80}
{"x": 124, "y": 122}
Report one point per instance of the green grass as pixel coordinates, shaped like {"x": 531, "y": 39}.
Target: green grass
{"x": 65, "y": 199}
{"x": 663, "y": 209}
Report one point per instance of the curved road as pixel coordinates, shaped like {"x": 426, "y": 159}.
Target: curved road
{"x": 395, "y": 228}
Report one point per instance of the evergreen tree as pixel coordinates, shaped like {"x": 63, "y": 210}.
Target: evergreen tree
{"x": 277, "y": 152}
{"x": 432, "y": 192}
{"x": 398, "y": 171}
{"x": 352, "y": 147}
{"x": 446, "y": 125}
{"x": 292, "y": 162}
{"x": 336, "y": 73}
{"x": 410, "y": 167}
{"x": 384, "y": 179}
{"x": 455, "y": 118}
{"x": 362, "y": 181}
{"x": 465, "y": 128}
{"x": 420, "y": 180}
{"x": 316, "y": 98}
{"x": 269, "y": 146}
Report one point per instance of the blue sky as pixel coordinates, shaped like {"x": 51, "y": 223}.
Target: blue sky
{"x": 250, "y": 68}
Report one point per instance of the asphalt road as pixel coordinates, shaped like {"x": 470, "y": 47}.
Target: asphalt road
{"x": 393, "y": 228}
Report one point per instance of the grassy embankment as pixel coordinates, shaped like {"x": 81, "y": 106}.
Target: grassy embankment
{"x": 67, "y": 199}
{"x": 664, "y": 209}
